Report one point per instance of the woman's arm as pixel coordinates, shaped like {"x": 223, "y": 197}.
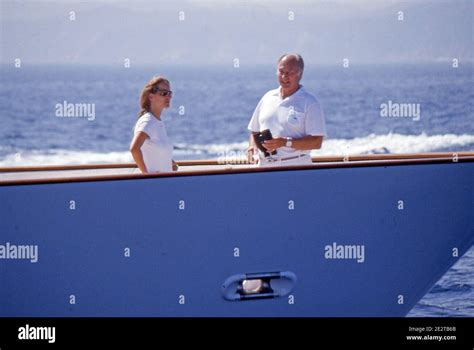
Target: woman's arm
{"x": 135, "y": 149}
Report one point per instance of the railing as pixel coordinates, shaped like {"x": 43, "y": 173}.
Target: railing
{"x": 319, "y": 162}
{"x": 317, "y": 159}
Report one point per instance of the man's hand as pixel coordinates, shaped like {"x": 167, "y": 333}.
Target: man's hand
{"x": 275, "y": 143}
{"x": 250, "y": 153}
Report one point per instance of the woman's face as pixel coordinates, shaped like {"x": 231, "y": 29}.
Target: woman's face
{"x": 161, "y": 99}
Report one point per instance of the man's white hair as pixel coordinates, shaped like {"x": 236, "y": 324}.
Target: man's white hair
{"x": 298, "y": 58}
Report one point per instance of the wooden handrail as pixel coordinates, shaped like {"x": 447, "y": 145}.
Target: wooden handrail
{"x": 327, "y": 165}
{"x": 230, "y": 161}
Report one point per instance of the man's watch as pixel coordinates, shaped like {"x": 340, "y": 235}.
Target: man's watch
{"x": 289, "y": 142}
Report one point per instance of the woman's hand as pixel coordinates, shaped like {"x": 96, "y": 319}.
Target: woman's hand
{"x": 175, "y": 166}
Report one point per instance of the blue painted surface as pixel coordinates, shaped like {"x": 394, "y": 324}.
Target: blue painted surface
{"x": 190, "y": 252}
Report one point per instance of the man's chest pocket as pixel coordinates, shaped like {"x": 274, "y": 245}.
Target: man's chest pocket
{"x": 295, "y": 120}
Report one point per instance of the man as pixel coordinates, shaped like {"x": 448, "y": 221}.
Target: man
{"x": 293, "y": 116}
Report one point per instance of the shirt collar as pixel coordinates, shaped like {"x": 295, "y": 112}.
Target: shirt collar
{"x": 297, "y": 92}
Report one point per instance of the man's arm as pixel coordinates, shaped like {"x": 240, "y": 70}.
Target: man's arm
{"x": 254, "y": 124}
{"x": 303, "y": 143}
{"x": 307, "y": 142}
{"x": 252, "y": 149}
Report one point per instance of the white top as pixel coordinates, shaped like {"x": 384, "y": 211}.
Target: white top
{"x": 295, "y": 116}
{"x": 157, "y": 149}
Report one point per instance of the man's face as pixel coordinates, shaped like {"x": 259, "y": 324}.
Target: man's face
{"x": 288, "y": 74}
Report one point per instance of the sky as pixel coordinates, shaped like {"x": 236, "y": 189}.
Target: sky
{"x": 219, "y": 32}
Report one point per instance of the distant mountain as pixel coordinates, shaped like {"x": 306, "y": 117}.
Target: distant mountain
{"x": 217, "y": 32}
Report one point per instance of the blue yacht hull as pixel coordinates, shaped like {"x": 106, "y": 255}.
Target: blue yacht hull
{"x": 359, "y": 241}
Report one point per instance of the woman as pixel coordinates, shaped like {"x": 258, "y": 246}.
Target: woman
{"x": 151, "y": 148}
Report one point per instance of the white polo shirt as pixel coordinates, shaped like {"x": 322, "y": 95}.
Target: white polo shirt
{"x": 295, "y": 116}
{"x": 157, "y": 149}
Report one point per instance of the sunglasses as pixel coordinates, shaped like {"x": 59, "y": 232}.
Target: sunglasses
{"x": 162, "y": 92}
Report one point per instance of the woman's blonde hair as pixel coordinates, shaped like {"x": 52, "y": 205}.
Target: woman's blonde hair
{"x": 149, "y": 88}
